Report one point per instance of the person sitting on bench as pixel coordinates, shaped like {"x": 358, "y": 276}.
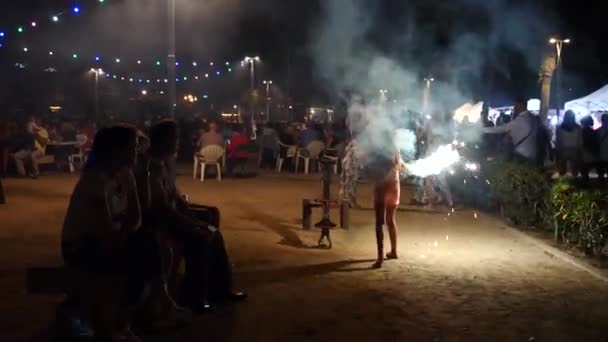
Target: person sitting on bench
{"x": 208, "y": 271}
{"x": 110, "y": 257}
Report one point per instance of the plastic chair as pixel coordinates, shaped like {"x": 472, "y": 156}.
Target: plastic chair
{"x": 311, "y": 152}
{"x": 80, "y": 156}
{"x": 291, "y": 151}
{"x": 208, "y": 155}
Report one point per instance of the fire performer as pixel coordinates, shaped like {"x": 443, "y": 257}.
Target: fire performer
{"x": 385, "y": 172}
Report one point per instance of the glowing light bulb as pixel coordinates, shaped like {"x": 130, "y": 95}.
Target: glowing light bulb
{"x": 76, "y": 9}
{"x": 2, "y": 34}
{"x": 50, "y": 53}
{"x": 138, "y": 62}
{"x": 25, "y": 49}
{"x": 20, "y": 29}
{"x": 34, "y": 24}
{"x": 97, "y": 58}
{"x": 74, "y": 56}
{"x": 55, "y": 18}
{"x": 117, "y": 60}
{"x": 157, "y": 62}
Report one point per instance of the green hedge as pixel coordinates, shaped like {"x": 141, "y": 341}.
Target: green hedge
{"x": 574, "y": 212}
{"x": 577, "y": 215}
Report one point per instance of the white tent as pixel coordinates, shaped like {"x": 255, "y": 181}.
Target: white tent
{"x": 594, "y": 102}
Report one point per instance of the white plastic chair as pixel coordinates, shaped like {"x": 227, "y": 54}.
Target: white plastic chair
{"x": 80, "y": 156}
{"x": 290, "y": 154}
{"x": 208, "y": 155}
{"x": 311, "y": 152}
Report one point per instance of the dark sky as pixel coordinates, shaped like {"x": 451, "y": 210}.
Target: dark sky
{"x": 280, "y": 32}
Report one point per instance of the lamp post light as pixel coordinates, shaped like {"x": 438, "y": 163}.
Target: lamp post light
{"x": 251, "y": 61}
{"x": 559, "y": 45}
{"x": 426, "y": 94}
{"x": 96, "y": 73}
{"x": 268, "y": 97}
{"x": 171, "y": 57}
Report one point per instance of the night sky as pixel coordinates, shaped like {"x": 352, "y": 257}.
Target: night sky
{"x": 281, "y": 33}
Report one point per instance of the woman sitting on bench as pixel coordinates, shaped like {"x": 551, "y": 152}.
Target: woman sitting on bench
{"x": 107, "y": 254}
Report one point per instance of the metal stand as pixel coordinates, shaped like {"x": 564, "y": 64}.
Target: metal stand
{"x": 326, "y": 203}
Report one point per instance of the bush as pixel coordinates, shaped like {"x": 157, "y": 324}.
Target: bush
{"x": 577, "y": 216}
{"x": 573, "y": 211}
{"x": 519, "y": 189}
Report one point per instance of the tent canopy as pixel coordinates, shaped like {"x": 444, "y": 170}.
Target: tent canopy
{"x": 594, "y": 102}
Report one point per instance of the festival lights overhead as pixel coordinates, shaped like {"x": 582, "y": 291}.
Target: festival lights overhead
{"x": 54, "y": 19}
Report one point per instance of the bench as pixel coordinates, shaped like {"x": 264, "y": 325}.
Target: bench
{"x": 2, "y": 198}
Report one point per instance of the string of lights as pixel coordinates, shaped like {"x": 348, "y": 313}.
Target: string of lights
{"x": 37, "y": 23}
{"x": 117, "y": 60}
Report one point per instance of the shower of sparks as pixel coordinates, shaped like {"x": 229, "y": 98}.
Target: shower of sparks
{"x": 471, "y": 166}
{"x": 440, "y": 160}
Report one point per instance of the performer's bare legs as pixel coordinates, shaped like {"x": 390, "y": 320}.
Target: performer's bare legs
{"x": 380, "y": 210}
{"x": 391, "y": 223}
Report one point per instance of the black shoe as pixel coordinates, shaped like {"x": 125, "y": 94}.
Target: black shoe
{"x": 200, "y": 307}
{"x": 237, "y": 296}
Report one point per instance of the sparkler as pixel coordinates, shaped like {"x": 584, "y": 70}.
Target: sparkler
{"x": 437, "y": 162}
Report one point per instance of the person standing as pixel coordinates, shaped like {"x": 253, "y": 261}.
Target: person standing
{"x": 523, "y": 130}
{"x": 384, "y": 169}
{"x": 568, "y": 139}
{"x": 603, "y": 141}
{"x": 591, "y": 148}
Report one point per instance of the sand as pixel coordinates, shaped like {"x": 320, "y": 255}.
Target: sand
{"x": 461, "y": 277}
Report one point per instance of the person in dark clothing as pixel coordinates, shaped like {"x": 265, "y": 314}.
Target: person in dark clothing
{"x": 103, "y": 244}
{"x": 194, "y": 228}
{"x": 590, "y": 147}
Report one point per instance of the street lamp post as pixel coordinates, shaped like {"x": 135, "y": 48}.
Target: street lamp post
{"x": 426, "y": 94}
{"x": 268, "y": 84}
{"x": 559, "y": 45}
{"x": 96, "y": 74}
{"x": 252, "y": 61}
{"x": 171, "y": 57}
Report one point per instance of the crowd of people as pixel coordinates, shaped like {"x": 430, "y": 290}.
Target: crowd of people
{"x": 128, "y": 227}
{"x": 26, "y": 142}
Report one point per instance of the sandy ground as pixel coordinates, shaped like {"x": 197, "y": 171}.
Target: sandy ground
{"x": 459, "y": 278}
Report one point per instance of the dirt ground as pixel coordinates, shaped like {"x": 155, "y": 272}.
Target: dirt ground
{"x": 461, "y": 277}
